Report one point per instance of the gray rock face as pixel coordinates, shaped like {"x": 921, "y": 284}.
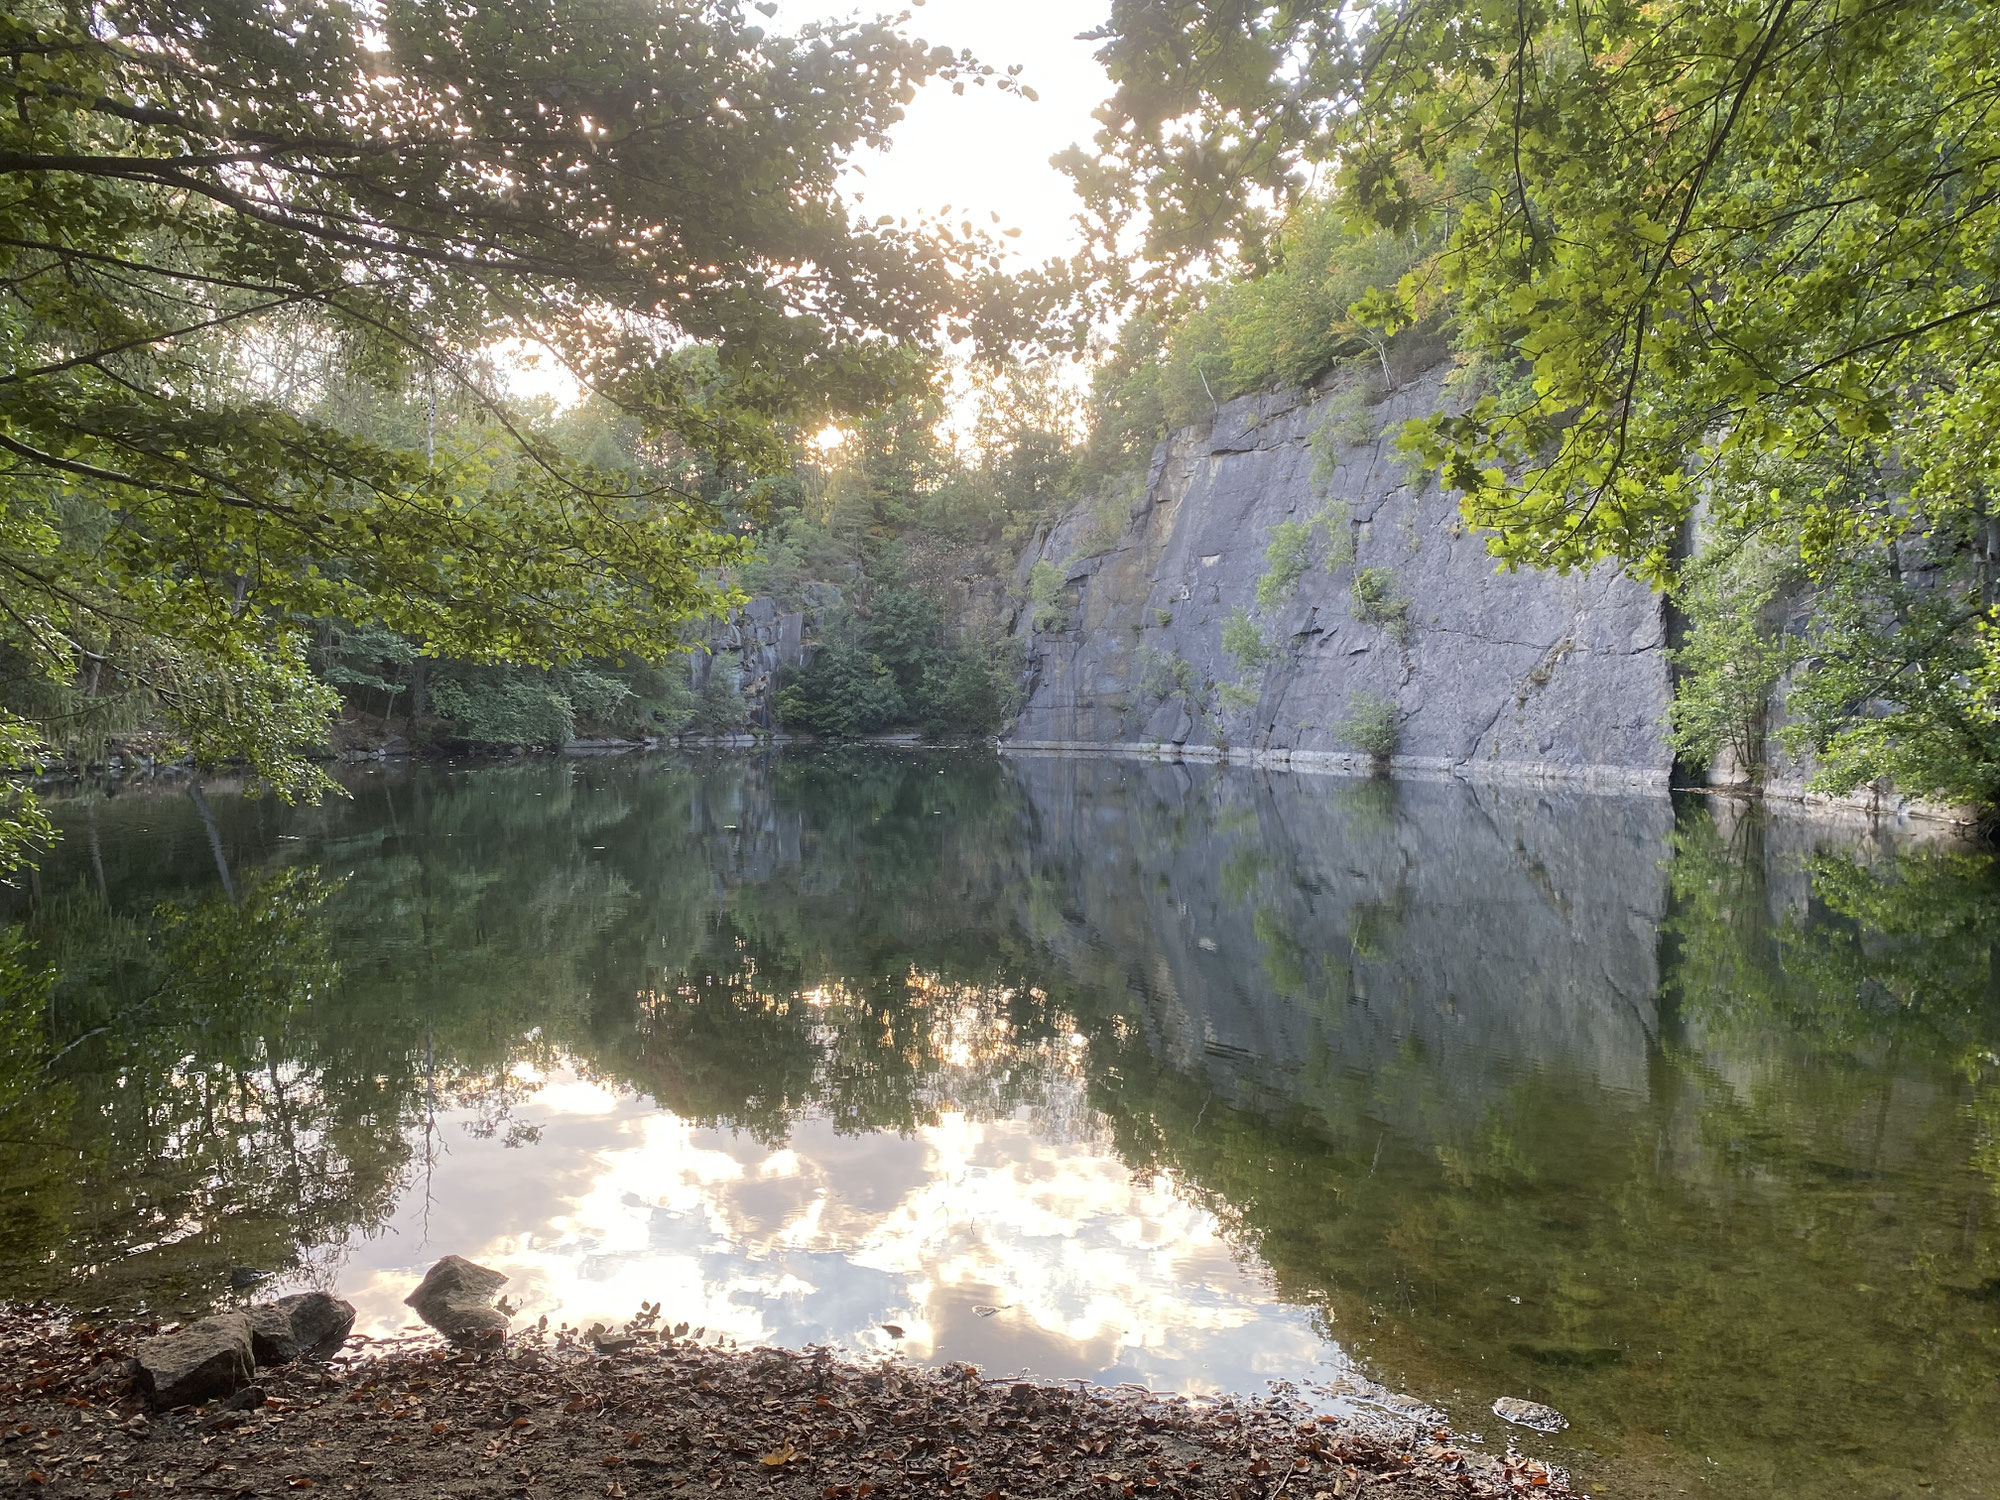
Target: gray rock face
{"x": 1525, "y": 676}
{"x": 456, "y": 1298}
{"x": 203, "y": 1361}
{"x": 750, "y": 648}
{"x": 308, "y": 1323}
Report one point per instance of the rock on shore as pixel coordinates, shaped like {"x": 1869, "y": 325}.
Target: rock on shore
{"x": 218, "y": 1356}
{"x": 201, "y": 1362}
{"x": 456, "y": 1298}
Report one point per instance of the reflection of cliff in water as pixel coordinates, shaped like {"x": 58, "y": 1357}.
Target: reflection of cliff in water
{"x": 1272, "y": 926}
{"x": 1430, "y": 1072}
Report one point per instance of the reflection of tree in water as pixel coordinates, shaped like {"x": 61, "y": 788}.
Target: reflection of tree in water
{"x": 734, "y": 1049}
{"x": 177, "y": 1088}
{"x": 237, "y": 1097}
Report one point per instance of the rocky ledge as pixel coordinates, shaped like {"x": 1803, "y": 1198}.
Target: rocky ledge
{"x": 642, "y": 1412}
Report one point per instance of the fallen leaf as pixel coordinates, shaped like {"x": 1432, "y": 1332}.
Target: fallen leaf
{"x": 779, "y": 1456}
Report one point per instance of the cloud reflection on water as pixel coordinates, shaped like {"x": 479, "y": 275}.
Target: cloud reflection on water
{"x": 1095, "y": 1272}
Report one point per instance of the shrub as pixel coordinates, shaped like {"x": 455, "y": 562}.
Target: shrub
{"x": 964, "y": 694}
{"x": 844, "y": 690}
{"x": 1733, "y": 655}
{"x": 1344, "y": 420}
{"x": 1241, "y": 697}
{"x": 510, "y": 711}
{"x": 1339, "y": 535}
{"x": 1164, "y": 674}
{"x": 1370, "y": 725}
{"x": 720, "y": 708}
{"x": 1045, "y": 588}
{"x": 1376, "y": 602}
{"x": 1285, "y": 562}
{"x": 594, "y": 698}
{"x": 1245, "y": 642}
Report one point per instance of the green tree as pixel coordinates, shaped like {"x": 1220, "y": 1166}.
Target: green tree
{"x": 215, "y": 212}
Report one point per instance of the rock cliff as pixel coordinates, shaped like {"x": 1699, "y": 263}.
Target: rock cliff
{"x": 1397, "y": 613}
{"x": 746, "y": 652}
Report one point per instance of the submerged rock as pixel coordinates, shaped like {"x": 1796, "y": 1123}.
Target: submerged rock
{"x": 456, "y": 1298}
{"x": 200, "y": 1362}
{"x": 1529, "y": 1414}
{"x": 308, "y": 1323}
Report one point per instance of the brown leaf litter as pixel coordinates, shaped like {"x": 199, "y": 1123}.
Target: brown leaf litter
{"x": 552, "y": 1415}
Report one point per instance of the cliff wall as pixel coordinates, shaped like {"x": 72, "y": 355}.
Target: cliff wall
{"x": 1524, "y": 676}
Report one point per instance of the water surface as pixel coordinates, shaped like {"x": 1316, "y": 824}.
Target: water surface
{"x": 1679, "y": 1119}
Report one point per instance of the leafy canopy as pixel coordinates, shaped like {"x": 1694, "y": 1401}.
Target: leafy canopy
{"x": 191, "y": 191}
{"x": 1776, "y": 222}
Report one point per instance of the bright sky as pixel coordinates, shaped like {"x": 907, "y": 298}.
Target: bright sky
{"x": 986, "y": 150}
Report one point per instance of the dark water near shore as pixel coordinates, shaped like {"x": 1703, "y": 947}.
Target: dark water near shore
{"x": 1682, "y": 1120}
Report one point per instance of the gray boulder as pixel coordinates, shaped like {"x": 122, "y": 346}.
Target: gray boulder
{"x": 307, "y": 1323}
{"x": 456, "y": 1298}
{"x": 200, "y": 1362}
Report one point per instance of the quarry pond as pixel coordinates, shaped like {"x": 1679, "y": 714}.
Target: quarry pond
{"x": 1680, "y": 1117}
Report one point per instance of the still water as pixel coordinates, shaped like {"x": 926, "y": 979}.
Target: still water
{"x": 1683, "y": 1120}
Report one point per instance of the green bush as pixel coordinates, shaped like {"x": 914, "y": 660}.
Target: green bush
{"x": 719, "y": 707}
{"x": 1243, "y": 641}
{"x": 1370, "y": 725}
{"x": 1284, "y": 562}
{"x": 1164, "y": 675}
{"x": 1241, "y": 697}
{"x": 511, "y": 710}
{"x": 1732, "y": 656}
{"x": 594, "y": 698}
{"x": 965, "y": 694}
{"x": 898, "y": 668}
{"x": 1045, "y": 598}
{"x": 1307, "y": 313}
{"x": 844, "y": 690}
{"x": 1377, "y": 603}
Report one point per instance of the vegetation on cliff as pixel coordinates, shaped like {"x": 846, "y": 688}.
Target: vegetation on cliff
{"x": 1723, "y": 266}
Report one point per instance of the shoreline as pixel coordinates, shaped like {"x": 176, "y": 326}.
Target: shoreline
{"x": 553, "y": 1414}
{"x": 1873, "y": 809}
{"x": 1876, "y": 810}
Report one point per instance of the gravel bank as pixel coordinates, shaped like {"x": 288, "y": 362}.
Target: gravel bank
{"x": 643, "y": 1414}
